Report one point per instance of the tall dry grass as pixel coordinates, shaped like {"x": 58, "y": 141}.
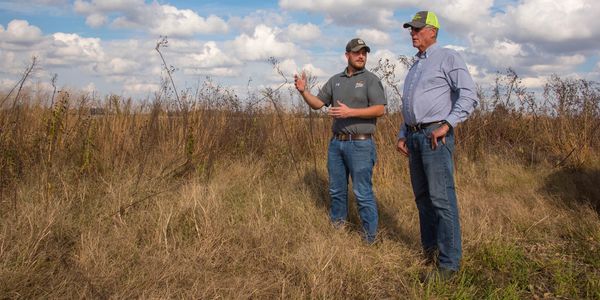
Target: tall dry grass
{"x": 117, "y": 198}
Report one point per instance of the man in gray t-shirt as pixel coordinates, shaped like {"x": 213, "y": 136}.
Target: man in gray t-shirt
{"x": 356, "y": 98}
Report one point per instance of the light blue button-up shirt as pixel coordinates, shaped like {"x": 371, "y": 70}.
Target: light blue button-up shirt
{"x": 438, "y": 87}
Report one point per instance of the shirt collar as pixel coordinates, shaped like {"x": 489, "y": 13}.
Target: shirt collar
{"x": 345, "y": 73}
{"x": 430, "y": 50}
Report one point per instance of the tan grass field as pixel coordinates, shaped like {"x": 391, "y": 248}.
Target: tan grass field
{"x": 229, "y": 203}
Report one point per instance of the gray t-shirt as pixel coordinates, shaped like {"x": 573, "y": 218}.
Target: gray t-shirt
{"x": 362, "y": 89}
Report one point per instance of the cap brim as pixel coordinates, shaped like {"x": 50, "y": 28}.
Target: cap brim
{"x": 357, "y": 48}
{"x": 414, "y": 24}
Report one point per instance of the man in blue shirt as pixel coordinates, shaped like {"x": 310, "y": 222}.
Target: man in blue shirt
{"x": 438, "y": 94}
{"x": 357, "y": 99}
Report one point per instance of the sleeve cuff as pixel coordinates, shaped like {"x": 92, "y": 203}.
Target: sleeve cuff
{"x": 452, "y": 120}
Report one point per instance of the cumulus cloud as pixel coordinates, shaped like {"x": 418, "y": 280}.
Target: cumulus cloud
{"x": 552, "y": 26}
{"x": 140, "y": 87}
{"x": 505, "y": 52}
{"x": 6, "y": 83}
{"x": 262, "y": 45}
{"x": 534, "y": 82}
{"x": 374, "y": 37}
{"x": 117, "y": 66}
{"x": 217, "y": 72}
{"x": 184, "y": 22}
{"x": 377, "y": 13}
{"x": 211, "y": 56}
{"x": 560, "y": 64}
{"x": 289, "y": 67}
{"x": 96, "y": 20}
{"x": 459, "y": 15}
{"x": 155, "y": 18}
{"x": 539, "y": 19}
{"x": 89, "y": 88}
{"x": 534, "y": 37}
{"x": 303, "y": 32}
{"x": 247, "y": 23}
{"x": 69, "y": 48}
{"x": 19, "y": 32}
{"x": 386, "y": 56}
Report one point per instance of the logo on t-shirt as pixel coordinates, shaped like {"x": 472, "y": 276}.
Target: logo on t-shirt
{"x": 359, "y": 84}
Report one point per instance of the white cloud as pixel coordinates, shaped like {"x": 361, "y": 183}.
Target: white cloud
{"x": 262, "y": 45}
{"x": 314, "y": 71}
{"x": 218, "y": 72}
{"x": 386, "y": 56}
{"x": 506, "y": 51}
{"x": 70, "y": 49}
{"x": 155, "y": 18}
{"x": 534, "y": 82}
{"x": 303, "y": 32}
{"x": 184, "y": 22}
{"x": 96, "y": 20}
{"x": 289, "y": 67}
{"x": 21, "y": 33}
{"x": 459, "y": 15}
{"x": 374, "y": 37}
{"x": 560, "y": 64}
{"x": 247, "y": 23}
{"x": 89, "y": 88}
{"x": 7, "y": 60}
{"x": 378, "y": 13}
{"x": 544, "y": 25}
{"x": 211, "y": 56}
{"x": 556, "y": 21}
{"x": 117, "y": 66}
{"x": 6, "y": 84}
{"x": 141, "y": 87}
{"x": 473, "y": 70}
{"x": 456, "y": 48}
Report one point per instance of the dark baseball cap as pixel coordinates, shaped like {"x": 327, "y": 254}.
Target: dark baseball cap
{"x": 356, "y": 44}
{"x": 422, "y": 19}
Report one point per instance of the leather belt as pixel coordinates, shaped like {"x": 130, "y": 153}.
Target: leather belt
{"x": 421, "y": 126}
{"x": 352, "y": 137}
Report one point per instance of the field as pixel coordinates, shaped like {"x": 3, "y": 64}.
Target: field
{"x": 221, "y": 199}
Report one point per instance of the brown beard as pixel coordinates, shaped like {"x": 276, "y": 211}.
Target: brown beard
{"x": 355, "y": 66}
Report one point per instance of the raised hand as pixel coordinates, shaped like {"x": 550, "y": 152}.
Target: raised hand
{"x": 300, "y": 82}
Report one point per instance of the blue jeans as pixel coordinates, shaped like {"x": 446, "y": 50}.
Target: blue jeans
{"x": 432, "y": 178}
{"x": 356, "y": 159}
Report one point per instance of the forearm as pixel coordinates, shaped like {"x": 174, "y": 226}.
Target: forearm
{"x": 463, "y": 107}
{"x": 461, "y": 83}
{"x": 370, "y": 112}
{"x": 313, "y": 101}
{"x": 402, "y": 132}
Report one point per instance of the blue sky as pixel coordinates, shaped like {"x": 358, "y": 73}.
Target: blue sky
{"x": 108, "y": 46}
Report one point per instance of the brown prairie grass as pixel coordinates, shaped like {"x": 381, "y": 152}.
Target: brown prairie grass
{"x": 141, "y": 202}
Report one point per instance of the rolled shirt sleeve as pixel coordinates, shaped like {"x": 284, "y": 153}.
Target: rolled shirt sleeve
{"x": 463, "y": 87}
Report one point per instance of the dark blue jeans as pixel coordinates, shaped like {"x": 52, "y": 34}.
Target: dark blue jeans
{"x": 432, "y": 177}
{"x": 355, "y": 159}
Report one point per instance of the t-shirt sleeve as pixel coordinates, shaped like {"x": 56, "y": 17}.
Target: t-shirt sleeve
{"x": 326, "y": 93}
{"x": 375, "y": 92}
